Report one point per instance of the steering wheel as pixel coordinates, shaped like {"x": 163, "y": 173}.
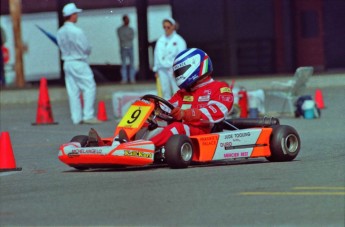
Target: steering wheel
{"x": 162, "y": 107}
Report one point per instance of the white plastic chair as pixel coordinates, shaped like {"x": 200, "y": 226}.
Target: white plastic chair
{"x": 291, "y": 89}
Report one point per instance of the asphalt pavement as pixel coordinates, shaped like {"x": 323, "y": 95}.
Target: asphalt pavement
{"x": 309, "y": 191}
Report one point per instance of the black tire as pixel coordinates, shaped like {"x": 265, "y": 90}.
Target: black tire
{"x": 179, "y": 151}
{"x": 285, "y": 144}
{"x": 82, "y": 139}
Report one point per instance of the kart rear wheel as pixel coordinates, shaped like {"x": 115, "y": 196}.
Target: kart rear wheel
{"x": 179, "y": 151}
{"x": 285, "y": 144}
{"x": 82, "y": 139}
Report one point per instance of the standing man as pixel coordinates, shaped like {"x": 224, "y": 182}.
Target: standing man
{"x": 126, "y": 36}
{"x": 79, "y": 78}
{"x": 166, "y": 49}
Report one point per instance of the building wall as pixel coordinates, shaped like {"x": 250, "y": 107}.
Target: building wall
{"x": 334, "y": 37}
{"x": 238, "y": 35}
{"x": 265, "y": 36}
{"x": 241, "y": 36}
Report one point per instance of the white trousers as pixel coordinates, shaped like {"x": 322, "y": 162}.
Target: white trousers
{"x": 79, "y": 80}
{"x": 167, "y": 82}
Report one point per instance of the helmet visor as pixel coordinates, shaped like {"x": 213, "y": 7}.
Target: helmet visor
{"x": 180, "y": 71}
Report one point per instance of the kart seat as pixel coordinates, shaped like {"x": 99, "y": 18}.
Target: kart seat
{"x": 218, "y": 127}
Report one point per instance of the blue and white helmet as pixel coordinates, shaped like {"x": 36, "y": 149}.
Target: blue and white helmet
{"x": 190, "y": 66}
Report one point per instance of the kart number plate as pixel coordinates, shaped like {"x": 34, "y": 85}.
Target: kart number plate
{"x": 134, "y": 116}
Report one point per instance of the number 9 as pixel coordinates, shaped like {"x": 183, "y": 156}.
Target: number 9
{"x": 134, "y": 116}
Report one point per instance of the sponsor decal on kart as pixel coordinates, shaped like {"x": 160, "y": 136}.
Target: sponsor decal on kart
{"x": 84, "y": 151}
{"x": 73, "y": 151}
{"x": 226, "y": 145}
{"x": 236, "y": 154}
{"x": 137, "y": 148}
{"x": 209, "y": 140}
{"x": 139, "y": 154}
{"x": 237, "y": 135}
{"x": 234, "y": 144}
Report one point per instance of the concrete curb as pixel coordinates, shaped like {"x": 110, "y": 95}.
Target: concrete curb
{"x": 104, "y": 92}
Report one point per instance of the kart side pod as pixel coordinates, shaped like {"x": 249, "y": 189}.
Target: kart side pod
{"x": 276, "y": 143}
{"x": 234, "y": 144}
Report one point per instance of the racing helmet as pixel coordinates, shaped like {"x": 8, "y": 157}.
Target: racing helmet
{"x": 190, "y": 66}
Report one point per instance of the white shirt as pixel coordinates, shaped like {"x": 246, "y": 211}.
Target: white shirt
{"x": 167, "y": 47}
{"x": 73, "y": 43}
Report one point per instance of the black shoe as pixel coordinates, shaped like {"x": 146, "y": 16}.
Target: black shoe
{"x": 94, "y": 139}
{"x": 123, "y": 137}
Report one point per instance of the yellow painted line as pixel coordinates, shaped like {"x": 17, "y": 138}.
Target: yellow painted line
{"x": 293, "y": 193}
{"x": 319, "y": 188}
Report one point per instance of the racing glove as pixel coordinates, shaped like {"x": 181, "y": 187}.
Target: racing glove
{"x": 186, "y": 115}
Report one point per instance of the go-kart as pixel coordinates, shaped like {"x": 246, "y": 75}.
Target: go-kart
{"x": 230, "y": 139}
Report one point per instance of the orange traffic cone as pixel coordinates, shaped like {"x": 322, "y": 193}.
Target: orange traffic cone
{"x": 7, "y": 160}
{"x": 102, "y": 113}
{"x": 319, "y": 99}
{"x": 44, "y": 112}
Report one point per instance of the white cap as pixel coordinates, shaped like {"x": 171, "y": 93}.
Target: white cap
{"x": 70, "y": 9}
{"x": 170, "y": 19}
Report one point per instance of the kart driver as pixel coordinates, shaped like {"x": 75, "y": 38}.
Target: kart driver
{"x": 201, "y": 100}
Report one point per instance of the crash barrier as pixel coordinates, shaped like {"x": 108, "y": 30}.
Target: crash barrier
{"x": 44, "y": 114}
{"x": 7, "y": 160}
{"x": 122, "y": 100}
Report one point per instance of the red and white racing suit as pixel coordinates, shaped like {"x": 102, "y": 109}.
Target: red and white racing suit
{"x": 213, "y": 98}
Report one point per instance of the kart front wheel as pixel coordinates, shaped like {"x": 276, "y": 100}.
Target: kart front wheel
{"x": 285, "y": 144}
{"x": 179, "y": 151}
{"x": 82, "y": 139}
